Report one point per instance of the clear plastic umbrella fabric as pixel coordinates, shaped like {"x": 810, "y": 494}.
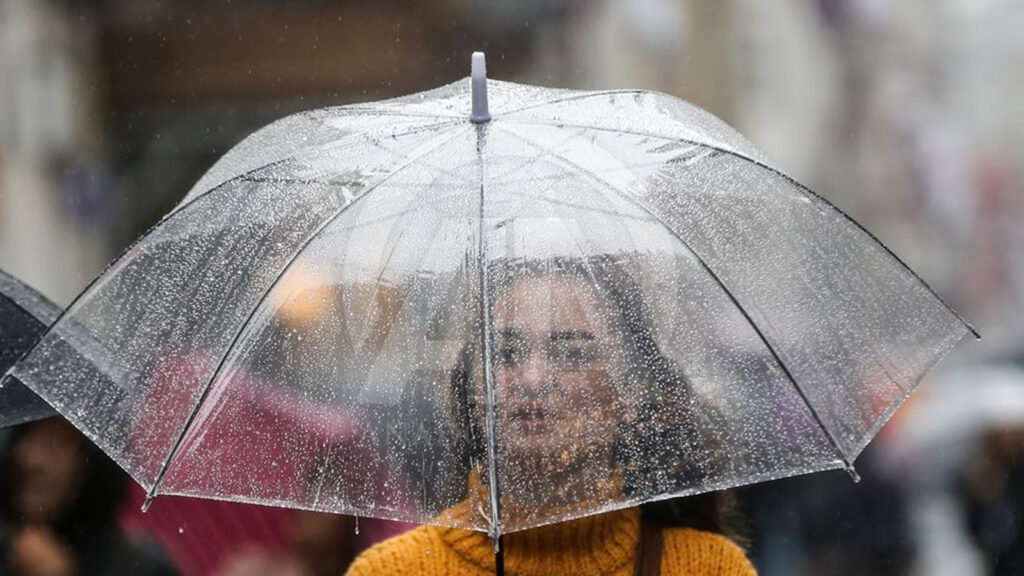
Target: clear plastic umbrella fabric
{"x": 592, "y": 301}
{"x": 24, "y": 317}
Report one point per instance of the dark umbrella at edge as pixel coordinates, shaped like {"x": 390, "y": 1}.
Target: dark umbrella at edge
{"x": 25, "y": 315}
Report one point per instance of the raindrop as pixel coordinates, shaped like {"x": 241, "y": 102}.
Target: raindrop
{"x": 181, "y": 529}
{"x": 357, "y": 525}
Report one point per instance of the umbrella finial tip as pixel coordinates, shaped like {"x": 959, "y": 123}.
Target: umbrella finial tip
{"x": 478, "y": 67}
{"x": 478, "y": 73}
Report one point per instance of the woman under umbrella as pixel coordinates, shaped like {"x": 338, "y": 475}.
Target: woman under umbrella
{"x": 583, "y": 388}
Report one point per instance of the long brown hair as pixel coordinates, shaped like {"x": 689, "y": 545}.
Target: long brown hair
{"x": 672, "y": 424}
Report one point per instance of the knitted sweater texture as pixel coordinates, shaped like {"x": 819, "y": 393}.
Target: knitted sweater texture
{"x": 605, "y": 544}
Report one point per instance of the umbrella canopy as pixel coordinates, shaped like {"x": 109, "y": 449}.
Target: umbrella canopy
{"x": 24, "y": 315}
{"x": 492, "y": 318}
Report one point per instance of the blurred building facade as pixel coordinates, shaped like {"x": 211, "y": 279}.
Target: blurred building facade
{"x": 51, "y": 143}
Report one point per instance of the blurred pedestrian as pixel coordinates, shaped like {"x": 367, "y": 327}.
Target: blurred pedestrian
{"x": 825, "y": 525}
{"x": 993, "y": 494}
{"x": 58, "y": 504}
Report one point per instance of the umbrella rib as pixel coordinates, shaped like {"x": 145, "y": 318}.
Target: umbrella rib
{"x": 292, "y": 155}
{"x": 792, "y": 181}
{"x": 721, "y": 284}
{"x": 410, "y": 161}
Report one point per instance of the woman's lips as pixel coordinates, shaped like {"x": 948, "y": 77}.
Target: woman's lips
{"x": 532, "y": 420}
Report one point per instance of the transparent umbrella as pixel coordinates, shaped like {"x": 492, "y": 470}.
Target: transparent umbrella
{"x": 491, "y": 317}
{"x": 24, "y": 316}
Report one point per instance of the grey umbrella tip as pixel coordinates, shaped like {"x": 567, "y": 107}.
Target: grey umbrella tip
{"x": 851, "y": 471}
{"x": 478, "y": 72}
{"x": 148, "y": 502}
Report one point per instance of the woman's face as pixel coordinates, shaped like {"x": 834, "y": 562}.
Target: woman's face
{"x": 556, "y": 358}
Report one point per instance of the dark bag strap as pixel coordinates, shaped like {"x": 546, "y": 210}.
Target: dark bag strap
{"x": 648, "y": 553}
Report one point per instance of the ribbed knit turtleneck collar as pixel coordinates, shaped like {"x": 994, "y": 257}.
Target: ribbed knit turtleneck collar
{"x": 602, "y": 544}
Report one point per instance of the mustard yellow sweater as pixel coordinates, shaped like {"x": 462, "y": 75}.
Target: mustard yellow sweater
{"x": 605, "y": 544}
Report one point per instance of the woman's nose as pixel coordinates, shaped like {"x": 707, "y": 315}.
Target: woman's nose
{"x": 533, "y": 374}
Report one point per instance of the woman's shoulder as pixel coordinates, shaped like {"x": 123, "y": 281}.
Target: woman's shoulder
{"x": 688, "y": 551}
{"x": 402, "y": 554}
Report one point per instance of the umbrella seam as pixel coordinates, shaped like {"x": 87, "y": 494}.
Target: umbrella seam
{"x": 152, "y": 492}
{"x": 287, "y": 157}
{"x": 636, "y": 202}
{"x": 791, "y": 180}
{"x": 580, "y": 95}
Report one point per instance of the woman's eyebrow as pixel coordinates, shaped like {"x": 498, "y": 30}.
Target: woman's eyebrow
{"x": 513, "y": 334}
{"x": 571, "y": 335}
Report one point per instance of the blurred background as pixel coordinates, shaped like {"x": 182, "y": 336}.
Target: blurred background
{"x": 905, "y": 115}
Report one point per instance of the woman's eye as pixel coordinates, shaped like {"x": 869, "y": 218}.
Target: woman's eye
{"x": 573, "y": 356}
{"x": 509, "y": 355}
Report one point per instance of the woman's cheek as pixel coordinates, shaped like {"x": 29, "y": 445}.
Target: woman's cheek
{"x": 589, "y": 388}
